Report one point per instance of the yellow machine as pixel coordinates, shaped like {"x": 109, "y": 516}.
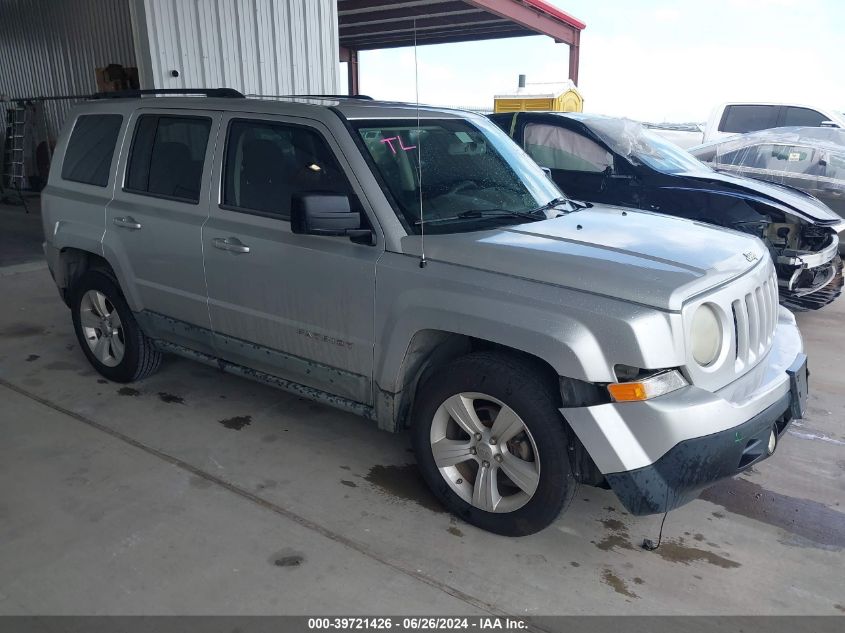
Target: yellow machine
{"x": 559, "y": 96}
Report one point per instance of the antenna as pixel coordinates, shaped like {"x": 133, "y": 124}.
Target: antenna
{"x": 419, "y": 150}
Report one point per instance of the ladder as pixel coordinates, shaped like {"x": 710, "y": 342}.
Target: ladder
{"x": 17, "y": 118}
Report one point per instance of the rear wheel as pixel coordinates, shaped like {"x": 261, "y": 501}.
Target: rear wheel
{"x": 492, "y": 445}
{"x": 107, "y": 331}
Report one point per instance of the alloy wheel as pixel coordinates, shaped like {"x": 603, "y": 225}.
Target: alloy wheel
{"x": 102, "y": 328}
{"x": 485, "y": 452}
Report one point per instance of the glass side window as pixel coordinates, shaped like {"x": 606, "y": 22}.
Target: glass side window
{"x": 794, "y": 159}
{"x": 743, "y": 157}
{"x": 167, "y": 156}
{"x": 454, "y": 175}
{"x": 90, "y": 150}
{"x": 268, "y": 163}
{"x": 748, "y": 118}
{"x": 558, "y": 148}
{"x": 802, "y": 117}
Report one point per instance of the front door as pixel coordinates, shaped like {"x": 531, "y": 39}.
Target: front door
{"x": 299, "y": 307}
{"x": 583, "y": 169}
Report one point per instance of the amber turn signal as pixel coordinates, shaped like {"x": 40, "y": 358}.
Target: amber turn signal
{"x": 655, "y": 385}
{"x": 625, "y": 391}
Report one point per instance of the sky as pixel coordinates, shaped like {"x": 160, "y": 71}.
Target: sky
{"x": 651, "y": 60}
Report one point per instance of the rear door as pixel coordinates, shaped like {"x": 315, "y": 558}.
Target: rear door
{"x": 154, "y": 223}
{"x": 299, "y": 307}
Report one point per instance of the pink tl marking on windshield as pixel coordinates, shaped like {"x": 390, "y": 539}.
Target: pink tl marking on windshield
{"x": 390, "y": 140}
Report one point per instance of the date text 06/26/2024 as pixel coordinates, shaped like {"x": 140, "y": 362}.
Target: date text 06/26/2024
{"x": 416, "y": 623}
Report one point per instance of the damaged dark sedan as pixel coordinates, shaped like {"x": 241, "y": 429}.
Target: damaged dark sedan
{"x": 618, "y": 161}
{"x": 811, "y": 159}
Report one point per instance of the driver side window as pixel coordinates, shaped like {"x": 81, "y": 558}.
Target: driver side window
{"x": 267, "y": 163}
{"x": 561, "y": 149}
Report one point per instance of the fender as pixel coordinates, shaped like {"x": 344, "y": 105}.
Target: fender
{"x": 579, "y": 335}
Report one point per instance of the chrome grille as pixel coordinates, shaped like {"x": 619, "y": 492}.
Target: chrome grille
{"x": 755, "y": 318}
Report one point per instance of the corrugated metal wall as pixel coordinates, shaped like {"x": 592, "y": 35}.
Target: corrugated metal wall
{"x": 256, "y": 46}
{"x": 51, "y": 47}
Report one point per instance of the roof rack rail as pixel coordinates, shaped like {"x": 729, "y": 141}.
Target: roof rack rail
{"x": 361, "y": 97}
{"x": 207, "y": 92}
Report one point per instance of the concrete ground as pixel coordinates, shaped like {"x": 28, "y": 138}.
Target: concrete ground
{"x": 196, "y": 492}
{"x": 20, "y": 231}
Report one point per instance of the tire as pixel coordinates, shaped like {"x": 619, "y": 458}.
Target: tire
{"x": 498, "y": 388}
{"x": 107, "y": 331}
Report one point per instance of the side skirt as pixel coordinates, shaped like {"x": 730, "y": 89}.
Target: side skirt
{"x": 274, "y": 381}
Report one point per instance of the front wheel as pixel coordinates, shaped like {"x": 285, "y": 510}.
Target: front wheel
{"x": 492, "y": 445}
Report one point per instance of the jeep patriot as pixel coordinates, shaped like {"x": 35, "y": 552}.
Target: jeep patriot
{"x": 413, "y": 265}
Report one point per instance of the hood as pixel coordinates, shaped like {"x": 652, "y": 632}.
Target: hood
{"x": 636, "y": 256}
{"x": 802, "y": 204}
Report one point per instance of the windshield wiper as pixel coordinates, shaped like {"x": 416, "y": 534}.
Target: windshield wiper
{"x": 577, "y": 204}
{"x": 551, "y": 204}
{"x": 484, "y": 214}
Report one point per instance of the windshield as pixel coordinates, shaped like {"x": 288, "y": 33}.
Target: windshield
{"x": 639, "y": 144}
{"x": 472, "y": 175}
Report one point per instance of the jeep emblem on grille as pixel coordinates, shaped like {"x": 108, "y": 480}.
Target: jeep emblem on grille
{"x": 750, "y": 256}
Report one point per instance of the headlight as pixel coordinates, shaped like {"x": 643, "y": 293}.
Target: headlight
{"x": 706, "y": 335}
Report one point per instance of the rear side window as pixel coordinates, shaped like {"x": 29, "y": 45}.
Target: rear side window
{"x": 802, "y": 117}
{"x": 167, "y": 156}
{"x": 268, "y": 163}
{"x": 749, "y": 118}
{"x": 90, "y": 150}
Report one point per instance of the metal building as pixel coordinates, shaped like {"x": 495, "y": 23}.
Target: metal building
{"x": 50, "y": 48}
{"x": 262, "y": 47}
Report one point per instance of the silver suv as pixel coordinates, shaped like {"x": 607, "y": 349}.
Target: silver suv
{"x": 414, "y": 266}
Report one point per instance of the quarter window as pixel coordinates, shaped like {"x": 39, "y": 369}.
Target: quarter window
{"x": 268, "y": 163}
{"x": 167, "y": 156}
{"x": 90, "y": 150}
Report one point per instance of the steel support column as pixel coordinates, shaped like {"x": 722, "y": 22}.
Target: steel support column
{"x": 350, "y": 56}
{"x": 574, "y": 59}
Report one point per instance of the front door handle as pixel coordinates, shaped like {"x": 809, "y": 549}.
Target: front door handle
{"x": 127, "y": 223}
{"x": 231, "y": 244}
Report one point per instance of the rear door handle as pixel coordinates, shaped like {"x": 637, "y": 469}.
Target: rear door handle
{"x": 127, "y": 223}
{"x": 231, "y": 244}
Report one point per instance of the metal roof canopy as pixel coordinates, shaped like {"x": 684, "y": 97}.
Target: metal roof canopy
{"x": 373, "y": 24}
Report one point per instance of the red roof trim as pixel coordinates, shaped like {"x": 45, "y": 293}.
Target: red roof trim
{"x": 550, "y": 9}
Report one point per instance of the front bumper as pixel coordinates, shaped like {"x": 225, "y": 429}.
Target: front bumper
{"x": 681, "y": 474}
{"x": 659, "y": 454}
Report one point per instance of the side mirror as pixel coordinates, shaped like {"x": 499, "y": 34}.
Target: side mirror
{"x": 327, "y": 214}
